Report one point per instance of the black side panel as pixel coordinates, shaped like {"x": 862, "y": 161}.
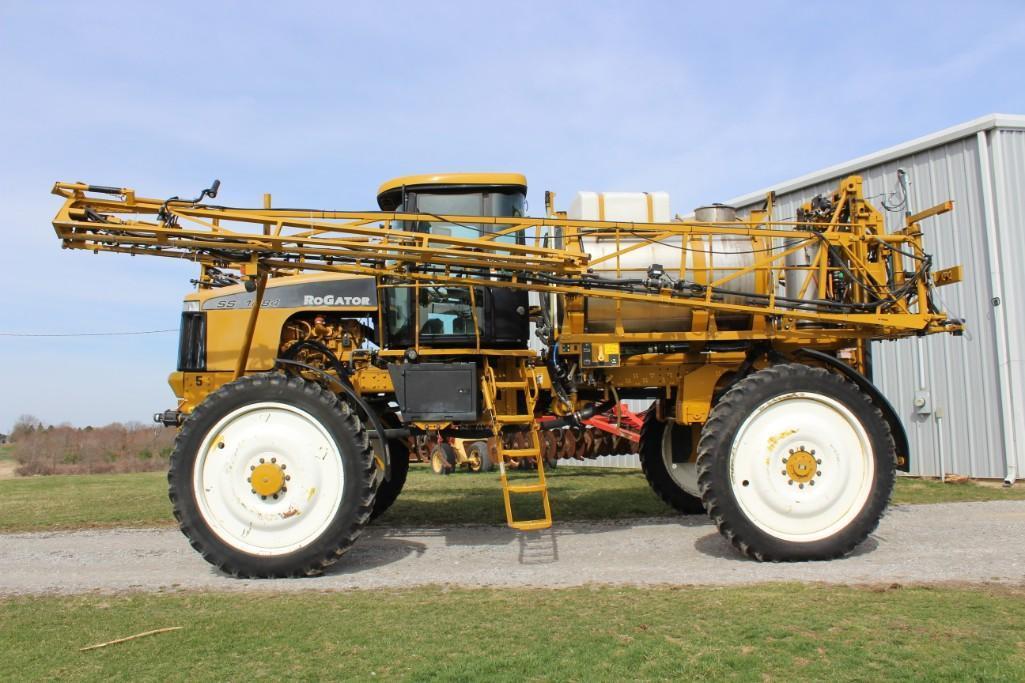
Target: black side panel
{"x": 510, "y": 322}
{"x": 435, "y": 392}
{"x": 192, "y": 343}
{"x": 900, "y": 436}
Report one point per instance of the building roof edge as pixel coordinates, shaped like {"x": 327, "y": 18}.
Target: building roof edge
{"x": 941, "y": 137}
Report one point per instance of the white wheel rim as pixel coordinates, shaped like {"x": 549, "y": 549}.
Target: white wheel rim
{"x": 843, "y": 462}
{"x": 244, "y": 439}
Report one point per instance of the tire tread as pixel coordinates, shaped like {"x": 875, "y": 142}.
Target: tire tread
{"x": 653, "y": 466}
{"x": 325, "y": 551}
{"x": 718, "y": 429}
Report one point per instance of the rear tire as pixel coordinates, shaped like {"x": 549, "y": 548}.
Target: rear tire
{"x": 299, "y": 512}
{"x": 795, "y": 463}
{"x": 388, "y": 490}
{"x": 657, "y": 463}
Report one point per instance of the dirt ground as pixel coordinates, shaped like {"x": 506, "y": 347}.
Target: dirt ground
{"x": 7, "y": 468}
{"x": 960, "y": 542}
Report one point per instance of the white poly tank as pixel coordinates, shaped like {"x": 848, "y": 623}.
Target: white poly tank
{"x": 705, "y": 260}
{"x": 638, "y": 207}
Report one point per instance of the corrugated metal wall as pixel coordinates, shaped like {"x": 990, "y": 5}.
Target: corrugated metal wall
{"x": 958, "y": 375}
{"x": 1007, "y": 155}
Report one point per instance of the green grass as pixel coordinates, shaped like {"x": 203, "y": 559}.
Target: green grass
{"x": 84, "y": 500}
{"x": 918, "y": 491}
{"x": 5, "y": 452}
{"x": 776, "y": 632}
{"x": 578, "y": 493}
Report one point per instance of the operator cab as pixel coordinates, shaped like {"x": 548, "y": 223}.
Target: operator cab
{"x": 445, "y": 316}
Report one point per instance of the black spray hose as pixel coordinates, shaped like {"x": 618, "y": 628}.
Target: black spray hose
{"x": 558, "y": 385}
{"x": 343, "y": 371}
{"x": 372, "y": 417}
{"x": 576, "y": 418}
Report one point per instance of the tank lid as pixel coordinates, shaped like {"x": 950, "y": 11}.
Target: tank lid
{"x": 715, "y": 213}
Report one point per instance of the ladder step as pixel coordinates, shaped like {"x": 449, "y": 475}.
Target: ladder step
{"x": 527, "y": 488}
{"x": 522, "y": 383}
{"x": 532, "y": 525}
{"x": 515, "y": 384}
{"x": 514, "y": 419}
{"x": 521, "y": 452}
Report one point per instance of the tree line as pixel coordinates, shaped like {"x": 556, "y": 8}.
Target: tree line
{"x": 66, "y": 449}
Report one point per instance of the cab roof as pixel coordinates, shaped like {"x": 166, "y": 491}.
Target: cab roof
{"x": 484, "y": 179}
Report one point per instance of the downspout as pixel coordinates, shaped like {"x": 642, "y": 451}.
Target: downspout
{"x": 919, "y": 395}
{"x": 920, "y": 353}
{"x": 1011, "y": 321}
{"x": 996, "y": 283}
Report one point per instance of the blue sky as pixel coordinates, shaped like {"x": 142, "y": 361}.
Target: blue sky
{"x": 319, "y": 102}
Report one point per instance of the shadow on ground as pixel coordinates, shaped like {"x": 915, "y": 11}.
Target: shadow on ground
{"x": 382, "y": 546}
{"x": 714, "y": 545}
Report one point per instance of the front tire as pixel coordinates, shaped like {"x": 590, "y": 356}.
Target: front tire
{"x": 795, "y": 463}
{"x": 272, "y": 476}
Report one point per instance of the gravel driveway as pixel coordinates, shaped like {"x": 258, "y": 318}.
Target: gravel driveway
{"x": 969, "y": 542}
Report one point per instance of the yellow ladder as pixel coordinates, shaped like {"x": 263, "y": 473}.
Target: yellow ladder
{"x": 525, "y": 384}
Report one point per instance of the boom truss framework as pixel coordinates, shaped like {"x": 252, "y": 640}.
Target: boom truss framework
{"x": 889, "y": 273}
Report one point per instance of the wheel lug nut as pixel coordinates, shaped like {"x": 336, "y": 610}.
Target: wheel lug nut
{"x": 811, "y": 483}
{"x": 819, "y": 461}
{"x": 288, "y": 477}
{"x": 261, "y": 461}
{"x": 812, "y": 451}
{"x": 275, "y": 496}
{"x": 819, "y": 473}
{"x": 783, "y": 472}
{"x": 791, "y": 451}
{"x": 800, "y": 486}
{"x": 252, "y": 467}
{"x": 784, "y": 461}
{"x": 284, "y": 466}
{"x": 284, "y": 489}
{"x": 263, "y": 497}
{"x": 249, "y": 478}
{"x": 273, "y": 459}
{"x": 790, "y": 482}
{"x": 254, "y": 490}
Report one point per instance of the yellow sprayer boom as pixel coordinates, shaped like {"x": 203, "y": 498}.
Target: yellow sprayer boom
{"x": 889, "y": 295}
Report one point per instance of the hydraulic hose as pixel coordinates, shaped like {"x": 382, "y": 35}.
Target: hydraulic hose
{"x": 576, "y": 418}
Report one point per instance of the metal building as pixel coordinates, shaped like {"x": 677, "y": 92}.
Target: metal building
{"x": 962, "y": 399}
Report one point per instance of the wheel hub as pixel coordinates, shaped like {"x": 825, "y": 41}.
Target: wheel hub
{"x": 802, "y": 467}
{"x": 267, "y": 479}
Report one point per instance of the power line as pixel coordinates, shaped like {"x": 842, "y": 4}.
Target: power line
{"x": 82, "y": 334}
